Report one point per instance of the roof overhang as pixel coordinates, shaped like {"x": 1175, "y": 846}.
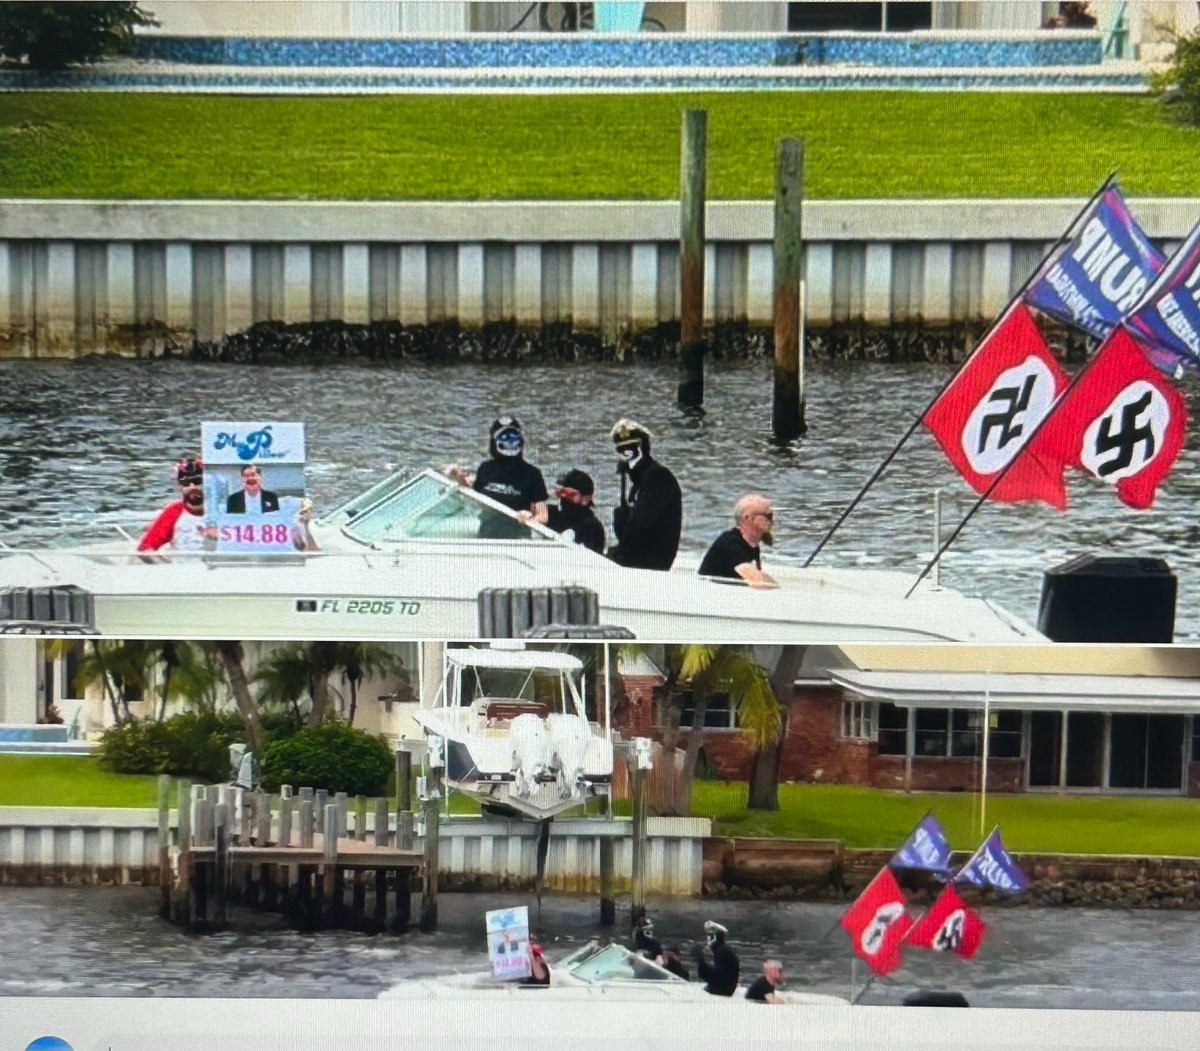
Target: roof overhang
{"x": 1159, "y": 695}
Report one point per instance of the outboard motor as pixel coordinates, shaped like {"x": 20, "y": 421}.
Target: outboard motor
{"x": 1108, "y": 598}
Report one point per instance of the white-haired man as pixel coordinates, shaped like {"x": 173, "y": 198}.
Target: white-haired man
{"x": 737, "y": 553}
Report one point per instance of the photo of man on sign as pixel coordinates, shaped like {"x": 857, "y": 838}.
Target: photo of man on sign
{"x": 252, "y": 498}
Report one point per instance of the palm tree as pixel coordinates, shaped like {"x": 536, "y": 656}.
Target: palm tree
{"x": 233, "y": 657}
{"x": 123, "y": 669}
{"x": 299, "y": 669}
{"x": 767, "y": 737}
{"x": 367, "y": 660}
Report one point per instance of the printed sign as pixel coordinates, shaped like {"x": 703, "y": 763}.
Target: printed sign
{"x": 508, "y": 942}
{"x": 254, "y": 484}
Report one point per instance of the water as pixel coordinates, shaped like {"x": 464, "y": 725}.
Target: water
{"x": 88, "y": 444}
{"x": 109, "y": 942}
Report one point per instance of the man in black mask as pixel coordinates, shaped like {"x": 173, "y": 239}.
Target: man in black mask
{"x": 507, "y": 479}
{"x": 721, "y": 974}
{"x": 575, "y": 511}
{"x": 649, "y": 519}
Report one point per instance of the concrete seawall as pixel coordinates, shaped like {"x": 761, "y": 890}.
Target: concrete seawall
{"x": 85, "y": 845}
{"x": 276, "y": 280}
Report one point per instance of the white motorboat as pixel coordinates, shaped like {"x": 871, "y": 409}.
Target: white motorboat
{"x": 512, "y": 731}
{"x": 423, "y": 557}
{"x": 592, "y": 971}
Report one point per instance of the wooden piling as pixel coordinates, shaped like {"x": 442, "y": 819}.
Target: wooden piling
{"x": 608, "y": 895}
{"x": 381, "y": 840}
{"x": 330, "y": 906}
{"x": 787, "y": 411}
{"x": 692, "y": 180}
{"x": 637, "y": 905}
{"x": 342, "y": 802}
{"x": 164, "y": 844}
{"x": 429, "y": 892}
{"x": 183, "y": 857}
{"x": 403, "y": 784}
{"x": 220, "y": 868}
{"x": 359, "y": 880}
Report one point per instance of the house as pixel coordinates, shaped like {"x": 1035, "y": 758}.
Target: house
{"x": 1118, "y": 719}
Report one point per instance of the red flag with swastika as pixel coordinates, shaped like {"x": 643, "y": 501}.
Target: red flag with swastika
{"x": 877, "y": 923}
{"x": 949, "y": 926}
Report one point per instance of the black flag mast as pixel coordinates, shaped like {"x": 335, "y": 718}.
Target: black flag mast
{"x": 942, "y": 390}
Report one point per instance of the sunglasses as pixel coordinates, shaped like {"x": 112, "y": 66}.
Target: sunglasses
{"x": 192, "y": 481}
{"x": 768, "y": 515}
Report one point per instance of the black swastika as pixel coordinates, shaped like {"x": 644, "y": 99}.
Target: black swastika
{"x": 1127, "y": 438}
{"x": 1017, "y": 401}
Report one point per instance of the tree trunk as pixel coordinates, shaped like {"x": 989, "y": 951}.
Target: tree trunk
{"x": 320, "y": 699}
{"x": 764, "y": 770}
{"x": 232, "y": 656}
{"x": 695, "y": 741}
{"x": 166, "y": 690}
{"x": 110, "y": 690}
{"x": 353, "y": 700}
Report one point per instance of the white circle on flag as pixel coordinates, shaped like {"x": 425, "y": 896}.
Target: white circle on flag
{"x": 1006, "y": 415}
{"x": 1128, "y": 435}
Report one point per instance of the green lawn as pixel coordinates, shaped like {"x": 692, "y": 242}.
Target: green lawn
{"x": 859, "y": 145}
{"x": 43, "y": 780}
{"x": 862, "y": 817}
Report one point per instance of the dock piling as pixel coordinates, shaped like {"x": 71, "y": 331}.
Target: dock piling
{"x": 787, "y": 412}
{"x": 692, "y": 179}
{"x": 164, "y": 844}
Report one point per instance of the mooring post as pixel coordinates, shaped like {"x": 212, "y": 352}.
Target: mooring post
{"x": 343, "y": 811}
{"x": 359, "y": 884}
{"x": 637, "y": 903}
{"x": 608, "y": 896}
{"x": 222, "y": 820}
{"x": 381, "y": 840}
{"x": 183, "y": 852}
{"x": 360, "y": 818}
{"x": 692, "y": 170}
{"x": 787, "y": 413}
{"x": 330, "y": 884}
{"x": 403, "y": 788}
{"x": 303, "y": 895}
{"x": 164, "y": 844}
{"x": 432, "y": 807}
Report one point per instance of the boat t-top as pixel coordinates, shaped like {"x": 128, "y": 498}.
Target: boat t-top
{"x": 513, "y": 732}
{"x": 420, "y": 556}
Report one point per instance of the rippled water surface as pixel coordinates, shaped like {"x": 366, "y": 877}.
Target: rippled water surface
{"x": 87, "y": 444}
{"x": 109, "y": 942}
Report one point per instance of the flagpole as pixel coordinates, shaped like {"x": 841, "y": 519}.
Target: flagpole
{"x": 838, "y": 922}
{"x": 987, "y": 690}
{"x": 1003, "y": 472}
{"x": 954, "y": 375}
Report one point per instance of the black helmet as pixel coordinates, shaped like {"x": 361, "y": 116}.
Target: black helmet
{"x": 578, "y": 480}
{"x": 505, "y": 437}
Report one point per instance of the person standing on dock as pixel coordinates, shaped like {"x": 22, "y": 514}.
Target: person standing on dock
{"x": 649, "y": 518}
{"x": 507, "y": 478}
{"x": 182, "y": 524}
{"x": 737, "y": 553}
{"x": 721, "y": 974}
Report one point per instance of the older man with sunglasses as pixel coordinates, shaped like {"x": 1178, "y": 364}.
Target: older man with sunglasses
{"x": 181, "y": 525}
{"x": 737, "y": 553}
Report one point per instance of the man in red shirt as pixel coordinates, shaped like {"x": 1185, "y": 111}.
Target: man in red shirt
{"x": 181, "y": 525}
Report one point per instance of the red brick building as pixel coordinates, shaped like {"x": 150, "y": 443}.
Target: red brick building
{"x": 1115, "y": 720}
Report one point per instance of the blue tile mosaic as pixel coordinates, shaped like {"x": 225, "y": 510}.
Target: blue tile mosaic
{"x": 631, "y": 52}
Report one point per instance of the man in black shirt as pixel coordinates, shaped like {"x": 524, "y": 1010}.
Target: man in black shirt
{"x": 649, "y": 519}
{"x": 645, "y": 942}
{"x": 763, "y": 988}
{"x": 736, "y": 552}
{"x": 721, "y": 975}
{"x": 507, "y": 479}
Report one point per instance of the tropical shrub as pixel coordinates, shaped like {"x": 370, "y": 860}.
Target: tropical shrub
{"x": 57, "y": 35}
{"x": 1179, "y": 83}
{"x": 192, "y": 744}
{"x": 333, "y": 756}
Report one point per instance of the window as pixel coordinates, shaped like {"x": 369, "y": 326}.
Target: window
{"x": 720, "y": 713}
{"x": 932, "y": 731}
{"x": 893, "y": 729}
{"x": 858, "y": 719}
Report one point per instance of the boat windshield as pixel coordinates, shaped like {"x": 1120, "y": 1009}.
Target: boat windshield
{"x": 614, "y": 963}
{"x": 430, "y": 507}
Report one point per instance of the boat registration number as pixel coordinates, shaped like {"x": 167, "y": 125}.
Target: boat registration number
{"x": 371, "y": 607}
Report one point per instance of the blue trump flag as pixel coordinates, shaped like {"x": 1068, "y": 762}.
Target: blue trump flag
{"x": 925, "y": 849}
{"x": 1102, "y": 273}
{"x": 992, "y": 866}
{"x": 1167, "y": 321}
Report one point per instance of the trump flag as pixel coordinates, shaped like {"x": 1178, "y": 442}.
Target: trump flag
{"x": 878, "y": 922}
{"x": 926, "y": 849}
{"x": 1167, "y": 321}
{"x": 949, "y": 926}
{"x": 992, "y": 866}
{"x": 985, "y": 416}
{"x": 1123, "y": 422}
{"x": 1098, "y": 277}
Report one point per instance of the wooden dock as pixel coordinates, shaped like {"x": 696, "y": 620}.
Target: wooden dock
{"x": 314, "y": 859}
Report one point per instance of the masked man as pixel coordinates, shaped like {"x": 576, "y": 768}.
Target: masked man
{"x": 507, "y": 478}
{"x": 722, "y": 970}
{"x": 649, "y": 518}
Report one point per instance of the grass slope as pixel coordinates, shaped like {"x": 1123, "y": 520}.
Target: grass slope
{"x": 864, "y": 817}
{"x": 859, "y": 145}
{"x": 45, "y": 780}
